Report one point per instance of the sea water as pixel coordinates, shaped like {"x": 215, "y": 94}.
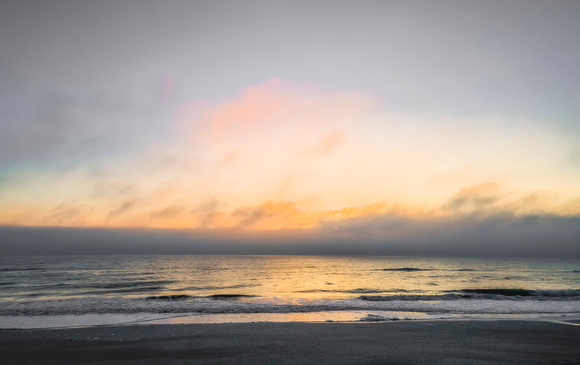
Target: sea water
{"x": 278, "y": 287}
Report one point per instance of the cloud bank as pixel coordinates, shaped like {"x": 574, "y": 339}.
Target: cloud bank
{"x": 326, "y": 169}
{"x": 504, "y": 235}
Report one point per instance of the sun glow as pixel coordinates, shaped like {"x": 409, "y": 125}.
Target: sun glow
{"x": 285, "y": 156}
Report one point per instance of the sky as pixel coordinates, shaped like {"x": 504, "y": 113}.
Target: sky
{"x": 331, "y": 127}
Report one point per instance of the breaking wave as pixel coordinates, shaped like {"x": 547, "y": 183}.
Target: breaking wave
{"x": 407, "y": 269}
{"x": 494, "y": 294}
{"x": 469, "y": 301}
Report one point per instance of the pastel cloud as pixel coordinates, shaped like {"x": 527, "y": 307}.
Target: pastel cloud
{"x": 280, "y": 155}
{"x": 474, "y": 197}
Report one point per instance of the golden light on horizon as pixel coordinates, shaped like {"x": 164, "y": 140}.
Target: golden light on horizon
{"x": 293, "y": 156}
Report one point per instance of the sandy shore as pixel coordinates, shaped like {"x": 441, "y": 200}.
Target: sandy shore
{"x": 440, "y": 341}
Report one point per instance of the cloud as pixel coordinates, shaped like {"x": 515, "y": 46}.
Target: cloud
{"x": 474, "y": 197}
{"x": 124, "y": 208}
{"x": 335, "y": 154}
{"x": 272, "y": 215}
{"x": 496, "y": 234}
{"x": 69, "y": 131}
{"x": 277, "y": 111}
{"x": 169, "y": 211}
{"x": 327, "y": 144}
{"x": 502, "y": 234}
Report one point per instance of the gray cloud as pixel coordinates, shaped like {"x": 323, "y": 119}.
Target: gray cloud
{"x": 123, "y": 208}
{"x": 69, "y": 130}
{"x": 517, "y": 57}
{"x": 474, "y": 197}
{"x": 250, "y": 216}
{"x": 169, "y": 211}
{"x": 502, "y": 234}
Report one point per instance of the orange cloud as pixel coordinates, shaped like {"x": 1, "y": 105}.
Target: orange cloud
{"x": 284, "y": 156}
{"x": 474, "y": 197}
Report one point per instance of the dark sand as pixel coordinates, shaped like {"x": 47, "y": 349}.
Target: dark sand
{"x": 413, "y": 342}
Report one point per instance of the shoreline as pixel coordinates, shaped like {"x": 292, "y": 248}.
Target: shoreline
{"x": 418, "y": 341}
{"x": 42, "y": 322}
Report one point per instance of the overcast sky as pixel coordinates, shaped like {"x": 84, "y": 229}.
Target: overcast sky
{"x": 333, "y": 119}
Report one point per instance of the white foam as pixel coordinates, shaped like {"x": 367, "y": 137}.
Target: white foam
{"x": 83, "y": 306}
{"x": 97, "y": 320}
{"x": 70, "y": 320}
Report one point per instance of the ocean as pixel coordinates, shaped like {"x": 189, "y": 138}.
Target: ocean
{"x": 178, "y": 289}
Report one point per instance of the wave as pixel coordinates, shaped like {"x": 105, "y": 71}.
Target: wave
{"x": 352, "y": 291}
{"x": 9, "y": 269}
{"x": 566, "y": 293}
{"x": 229, "y": 296}
{"x": 356, "y": 291}
{"x": 79, "y": 289}
{"x": 140, "y": 289}
{"x": 505, "y": 292}
{"x": 411, "y": 269}
{"x": 495, "y": 294}
{"x": 169, "y": 297}
{"x": 123, "y": 285}
{"x": 213, "y": 296}
{"x": 213, "y": 287}
{"x": 407, "y": 269}
{"x": 215, "y": 304}
{"x": 75, "y": 289}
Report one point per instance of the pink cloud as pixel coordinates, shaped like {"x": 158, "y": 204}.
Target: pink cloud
{"x": 274, "y": 104}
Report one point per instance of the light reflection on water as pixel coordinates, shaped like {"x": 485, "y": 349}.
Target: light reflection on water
{"x": 287, "y": 278}
{"x": 329, "y": 316}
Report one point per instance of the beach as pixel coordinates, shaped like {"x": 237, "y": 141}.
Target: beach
{"x": 399, "y": 342}
{"x": 288, "y": 310}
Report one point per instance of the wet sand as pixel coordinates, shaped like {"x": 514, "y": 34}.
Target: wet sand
{"x": 412, "y": 342}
